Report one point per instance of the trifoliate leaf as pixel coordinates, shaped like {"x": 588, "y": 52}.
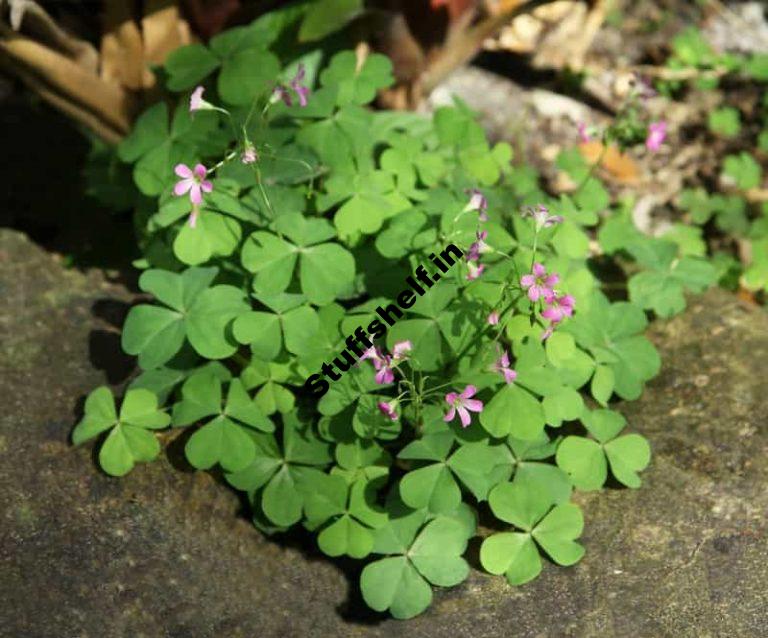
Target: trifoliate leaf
{"x": 357, "y": 84}
{"x": 188, "y": 66}
{"x": 128, "y": 440}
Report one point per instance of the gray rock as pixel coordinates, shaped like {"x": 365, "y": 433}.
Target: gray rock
{"x": 165, "y": 552}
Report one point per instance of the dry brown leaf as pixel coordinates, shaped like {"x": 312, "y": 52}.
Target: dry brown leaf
{"x": 747, "y": 295}
{"x": 618, "y": 166}
{"x": 122, "y": 49}
{"x": 68, "y": 79}
{"x": 164, "y": 30}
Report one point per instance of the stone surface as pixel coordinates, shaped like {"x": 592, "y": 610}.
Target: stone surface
{"x": 167, "y": 552}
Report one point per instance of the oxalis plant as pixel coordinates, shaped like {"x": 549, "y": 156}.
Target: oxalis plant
{"x": 277, "y": 218}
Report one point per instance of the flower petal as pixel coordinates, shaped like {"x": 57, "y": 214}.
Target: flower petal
{"x": 182, "y": 186}
{"x": 195, "y": 196}
{"x": 474, "y": 405}
{"x": 182, "y": 170}
{"x": 469, "y": 391}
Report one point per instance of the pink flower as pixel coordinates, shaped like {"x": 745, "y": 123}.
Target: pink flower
{"x": 301, "y": 91}
{"x": 502, "y": 366}
{"x": 192, "y": 181}
{"x": 559, "y": 307}
{"x": 196, "y": 101}
{"x": 539, "y": 284}
{"x": 583, "y": 133}
{"x": 657, "y": 133}
{"x": 249, "y": 154}
{"x": 382, "y": 362}
{"x": 477, "y": 202}
{"x": 389, "y": 410}
{"x": 493, "y": 319}
{"x": 474, "y": 271}
{"x": 479, "y": 247}
{"x": 541, "y": 216}
{"x": 461, "y": 403}
{"x": 283, "y": 93}
{"x": 400, "y": 351}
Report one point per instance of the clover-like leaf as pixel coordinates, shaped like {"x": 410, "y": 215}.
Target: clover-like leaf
{"x": 552, "y": 527}
{"x": 129, "y": 439}
{"x": 586, "y": 460}
{"x": 223, "y": 439}
{"x": 292, "y": 322}
{"x": 347, "y": 516}
{"x": 513, "y": 410}
{"x": 661, "y": 287}
{"x": 188, "y": 65}
{"x": 284, "y": 475}
{"x": 433, "y": 486}
{"x": 400, "y": 583}
{"x": 325, "y": 269}
{"x": 213, "y": 235}
{"x": 192, "y": 309}
{"x": 743, "y": 170}
{"x": 357, "y": 83}
{"x": 611, "y": 333}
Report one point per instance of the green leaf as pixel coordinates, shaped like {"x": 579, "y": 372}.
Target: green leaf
{"x": 213, "y": 235}
{"x": 346, "y": 536}
{"x": 394, "y": 584}
{"x": 516, "y": 503}
{"x": 188, "y": 66}
{"x": 357, "y": 85}
{"x": 241, "y": 407}
{"x": 151, "y": 126}
{"x": 201, "y": 397}
{"x": 209, "y": 318}
{"x": 557, "y": 531}
{"x": 724, "y": 121}
{"x": 325, "y": 271}
{"x": 262, "y": 331}
{"x": 272, "y": 259}
{"x": 553, "y": 529}
{"x": 436, "y": 553}
{"x": 156, "y": 333}
{"x": 220, "y": 441}
{"x": 513, "y": 411}
{"x": 125, "y": 445}
{"x": 128, "y": 441}
{"x": 628, "y": 455}
{"x": 153, "y": 333}
{"x": 743, "y": 170}
{"x": 139, "y": 408}
{"x": 246, "y": 75}
{"x": 513, "y": 554}
{"x": 583, "y": 460}
{"x": 602, "y": 384}
{"x": 327, "y": 16}
{"x": 99, "y": 415}
{"x": 432, "y": 487}
{"x": 282, "y": 501}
